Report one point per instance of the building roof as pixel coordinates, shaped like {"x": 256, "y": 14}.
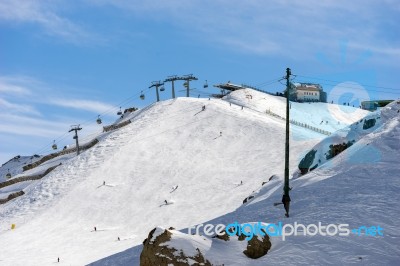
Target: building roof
{"x": 308, "y": 87}
{"x": 229, "y": 86}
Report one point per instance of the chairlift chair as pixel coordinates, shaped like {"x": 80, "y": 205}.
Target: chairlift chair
{"x": 142, "y": 96}
{"x": 162, "y": 88}
{"x": 205, "y": 85}
{"x": 98, "y": 120}
{"x": 185, "y": 84}
{"x": 119, "y": 112}
{"x": 54, "y": 146}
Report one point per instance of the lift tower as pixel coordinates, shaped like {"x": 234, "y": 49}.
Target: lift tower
{"x": 188, "y": 78}
{"x": 76, "y": 128}
{"x": 157, "y": 84}
{"x": 172, "y": 80}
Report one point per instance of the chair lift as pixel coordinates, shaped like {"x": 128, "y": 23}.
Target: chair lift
{"x": 8, "y": 175}
{"x": 54, "y": 146}
{"x": 205, "y": 85}
{"x": 98, "y": 120}
{"x": 119, "y": 112}
{"x": 142, "y": 95}
{"x": 185, "y": 84}
{"x": 162, "y": 88}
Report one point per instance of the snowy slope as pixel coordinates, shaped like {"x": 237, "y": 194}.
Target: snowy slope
{"x": 326, "y": 116}
{"x": 170, "y": 143}
{"x": 349, "y": 135}
{"x": 14, "y": 165}
{"x": 355, "y": 188}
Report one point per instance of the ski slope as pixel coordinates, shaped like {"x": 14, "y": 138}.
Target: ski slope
{"x": 326, "y": 116}
{"x": 171, "y": 143}
{"x": 354, "y": 188}
{"x": 352, "y": 134}
{"x": 14, "y": 165}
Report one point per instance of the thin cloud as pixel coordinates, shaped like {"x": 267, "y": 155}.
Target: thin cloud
{"x": 289, "y": 28}
{"x": 40, "y": 93}
{"x": 13, "y": 89}
{"x": 87, "y": 105}
{"x": 13, "y": 86}
{"x": 41, "y": 13}
{"x": 16, "y": 92}
{"x": 6, "y": 106}
{"x": 29, "y": 126}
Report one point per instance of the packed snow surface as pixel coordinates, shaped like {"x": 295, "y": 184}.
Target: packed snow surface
{"x": 194, "y": 159}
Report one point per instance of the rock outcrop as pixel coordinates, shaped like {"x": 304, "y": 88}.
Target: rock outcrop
{"x": 257, "y": 248}
{"x": 160, "y": 248}
{"x": 170, "y": 247}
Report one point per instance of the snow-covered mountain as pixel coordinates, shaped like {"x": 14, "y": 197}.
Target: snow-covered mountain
{"x": 120, "y": 184}
{"x": 359, "y": 187}
{"x": 14, "y": 165}
{"x": 344, "y": 138}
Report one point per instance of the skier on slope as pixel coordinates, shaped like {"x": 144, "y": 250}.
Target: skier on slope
{"x": 203, "y": 108}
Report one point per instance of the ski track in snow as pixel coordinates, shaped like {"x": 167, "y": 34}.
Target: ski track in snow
{"x": 165, "y": 145}
{"x": 57, "y": 181}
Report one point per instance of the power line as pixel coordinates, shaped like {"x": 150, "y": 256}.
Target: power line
{"x": 171, "y": 114}
{"x": 266, "y": 83}
{"x": 372, "y": 86}
{"x": 360, "y": 89}
{"x": 44, "y": 148}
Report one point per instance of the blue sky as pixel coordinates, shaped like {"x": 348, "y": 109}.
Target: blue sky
{"x": 64, "y": 62}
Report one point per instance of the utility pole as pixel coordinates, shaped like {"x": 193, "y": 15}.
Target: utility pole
{"x": 286, "y": 188}
{"x": 172, "y": 80}
{"x": 157, "y": 84}
{"x": 188, "y": 78}
{"x": 76, "y": 128}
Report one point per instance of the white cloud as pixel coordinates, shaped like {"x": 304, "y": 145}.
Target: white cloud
{"x": 289, "y": 28}
{"x": 23, "y": 96}
{"x": 17, "y": 108}
{"x": 24, "y": 125}
{"x": 16, "y": 92}
{"x": 12, "y": 89}
{"x": 381, "y": 50}
{"x": 87, "y": 105}
{"x": 42, "y": 12}
{"x": 35, "y": 92}
{"x": 15, "y": 85}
